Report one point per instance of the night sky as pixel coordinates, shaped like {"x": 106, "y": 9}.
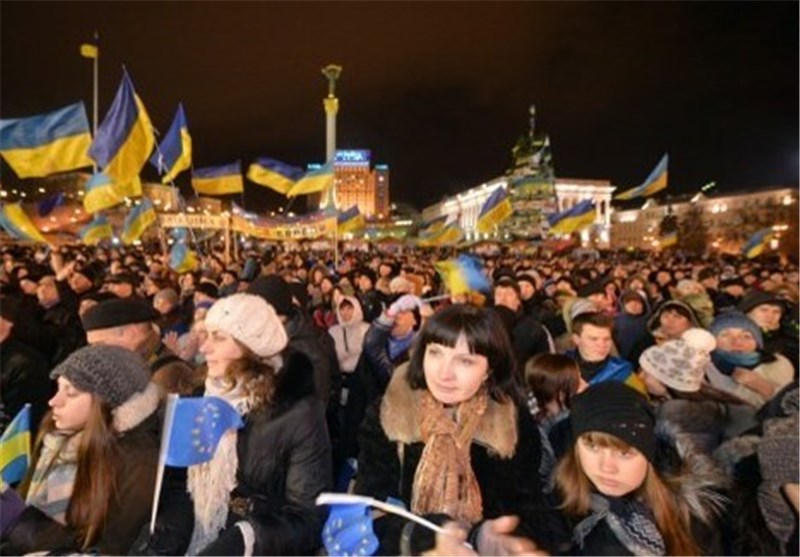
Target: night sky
{"x": 438, "y": 91}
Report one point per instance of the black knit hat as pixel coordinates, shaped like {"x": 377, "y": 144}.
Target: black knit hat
{"x": 275, "y": 291}
{"x": 120, "y": 311}
{"x": 756, "y": 298}
{"x": 612, "y": 407}
{"x": 113, "y": 373}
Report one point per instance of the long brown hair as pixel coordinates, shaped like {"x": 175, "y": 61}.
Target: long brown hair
{"x": 94, "y": 484}
{"x": 257, "y": 376}
{"x": 672, "y": 516}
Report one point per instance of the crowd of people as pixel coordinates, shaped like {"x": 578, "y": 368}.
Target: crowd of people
{"x": 624, "y": 403}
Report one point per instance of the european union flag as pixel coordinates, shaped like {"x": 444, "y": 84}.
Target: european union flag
{"x": 196, "y": 427}
{"x": 15, "y": 447}
{"x": 348, "y": 531}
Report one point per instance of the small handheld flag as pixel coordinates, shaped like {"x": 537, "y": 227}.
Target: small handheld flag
{"x": 757, "y": 243}
{"x": 15, "y": 447}
{"x": 463, "y": 275}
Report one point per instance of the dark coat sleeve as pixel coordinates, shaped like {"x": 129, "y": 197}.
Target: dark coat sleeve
{"x": 379, "y": 365}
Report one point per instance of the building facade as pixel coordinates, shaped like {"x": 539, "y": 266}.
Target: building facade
{"x": 466, "y": 206}
{"x": 357, "y": 183}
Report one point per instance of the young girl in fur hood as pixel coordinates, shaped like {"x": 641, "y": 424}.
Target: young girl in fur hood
{"x": 632, "y": 487}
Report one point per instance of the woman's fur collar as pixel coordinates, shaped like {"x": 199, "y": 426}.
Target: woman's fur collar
{"x": 400, "y": 409}
{"x": 699, "y": 482}
{"x": 137, "y": 409}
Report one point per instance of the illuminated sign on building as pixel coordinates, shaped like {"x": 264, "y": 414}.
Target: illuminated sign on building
{"x": 353, "y": 157}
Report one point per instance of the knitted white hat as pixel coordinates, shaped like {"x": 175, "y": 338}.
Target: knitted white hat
{"x": 676, "y": 364}
{"x": 250, "y": 320}
{"x": 699, "y": 339}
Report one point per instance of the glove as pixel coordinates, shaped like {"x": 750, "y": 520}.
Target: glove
{"x": 406, "y": 302}
{"x": 10, "y": 509}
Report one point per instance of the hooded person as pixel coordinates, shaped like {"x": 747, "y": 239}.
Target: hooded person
{"x": 90, "y": 487}
{"x": 256, "y": 496}
{"x": 768, "y": 311}
{"x": 668, "y": 321}
{"x": 632, "y": 485}
{"x": 630, "y": 323}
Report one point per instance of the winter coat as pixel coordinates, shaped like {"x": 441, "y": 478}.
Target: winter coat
{"x": 505, "y": 452}
{"x": 134, "y": 484}
{"x": 527, "y": 334}
{"x": 284, "y": 463}
{"x": 24, "y": 378}
{"x": 304, "y": 337}
{"x": 699, "y": 484}
{"x": 348, "y": 337}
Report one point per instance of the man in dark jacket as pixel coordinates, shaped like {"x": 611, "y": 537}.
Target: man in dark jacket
{"x": 61, "y": 323}
{"x": 527, "y": 334}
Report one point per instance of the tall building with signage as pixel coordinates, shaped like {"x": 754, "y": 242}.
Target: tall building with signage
{"x": 359, "y": 184}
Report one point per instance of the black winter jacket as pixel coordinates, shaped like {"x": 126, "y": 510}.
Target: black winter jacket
{"x": 284, "y": 463}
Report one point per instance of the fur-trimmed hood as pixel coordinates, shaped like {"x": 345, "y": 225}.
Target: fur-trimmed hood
{"x": 137, "y": 409}
{"x": 400, "y": 410}
{"x": 698, "y": 481}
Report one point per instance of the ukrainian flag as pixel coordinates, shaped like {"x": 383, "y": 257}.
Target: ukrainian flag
{"x": 48, "y": 143}
{"x": 314, "y": 181}
{"x": 496, "y": 209}
{"x": 100, "y": 193}
{"x": 655, "y": 182}
{"x": 138, "y": 220}
{"x": 669, "y": 239}
{"x": 757, "y": 243}
{"x": 575, "y": 218}
{"x": 351, "y": 220}
{"x": 274, "y": 174}
{"x": 16, "y": 222}
{"x": 218, "y": 180}
{"x": 98, "y": 229}
{"x": 125, "y": 137}
{"x": 174, "y": 154}
{"x": 448, "y": 235}
{"x": 462, "y": 275}
{"x": 15, "y": 447}
{"x": 182, "y": 259}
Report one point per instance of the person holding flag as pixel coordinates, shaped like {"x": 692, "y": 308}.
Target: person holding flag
{"x": 94, "y": 460}
{"x": 254, "y": 492}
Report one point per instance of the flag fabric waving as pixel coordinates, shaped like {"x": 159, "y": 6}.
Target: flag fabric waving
{"x": 314, "y": 181}
{"x": 655, "y": 182}
{"x": 447, "y": 235}
{"x": 174, "y": 153}
{"x": 433, "y": 225}
{"x": 89, "y": 50}
{"x": 138, "y": 220}
{"x": 98, "y": 229}
{"x": 125, "y": 137}
{"x": 100, "y": 193}
{"x": 196, "y": 427}
{"x": 463, "y": 274}
{"x": 575, "y": 218}
{"x": 48, "y": 143}
{"x": 181, "y": 258}
{"x": 218, "y": 180}
{"x": 348, "y": 531}
{"x": 274, "y": 174}
{"x": 48, "y": 204}
{"x": 351, "y": 220}
{"x": 15, "y": 447}
{"x": 18, "y": 224}
{"x": 757, "y": 243}
{"x": 495, "y": 210}
{"x": 669, "y": 239}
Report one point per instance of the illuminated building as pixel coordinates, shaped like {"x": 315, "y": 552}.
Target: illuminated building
{"x": 358, "y": 184}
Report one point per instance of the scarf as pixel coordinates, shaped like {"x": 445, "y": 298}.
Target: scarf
{"x": 399, "y": 346}
{"x": 726, "y": 362}
{"x": 630, "y": 520}
{"x": 54, "y": 477}
{"x": 211, "y": 483}
{"x": 444, "y": 481}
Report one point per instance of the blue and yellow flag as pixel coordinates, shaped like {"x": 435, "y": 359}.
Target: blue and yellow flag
{"x": 125, "y": 137}
{"x": 575, "y": 218}
{"x": 98, "y": 229}
{"x": 193, "y": 428}
{"x": 48, "y": 204}
{"x": 757, "y": 243}
{"x": 218, "y": 180}
{"x": 15, "y": 447}
{"x": 495, "y": 210}
{"x": 48, "y": 143}
{"x": 655, "y": 182}
{"x": 669, "y": 239}
{"x": 100, "y": 193}
{"x": 18, "y": 224}
{"x": 315, "y": 181}
{"x": 351, "y": 220}
{"x": 447, "y": 235}
{"x": 274, "y": 174}
{"x": 138, "y": 220}
{"x": 174, "y": 153}
{"x": 463, "y": 274}
{"x": 181, "y": 258}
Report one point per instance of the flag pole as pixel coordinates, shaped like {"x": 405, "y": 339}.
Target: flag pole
{"x": 96, "y": 68}
{"x": 162, "y": 456}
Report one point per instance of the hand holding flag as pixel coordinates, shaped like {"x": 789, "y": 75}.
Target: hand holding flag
{"x": 15, "y": 447}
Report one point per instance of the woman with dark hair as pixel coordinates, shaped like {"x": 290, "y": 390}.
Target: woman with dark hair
{"x": 90, "y": 487}
{"x": 256, "y": 495}
{"x": 452, "y": 438}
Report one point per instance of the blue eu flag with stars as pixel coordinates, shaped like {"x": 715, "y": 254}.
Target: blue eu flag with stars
{"x": 197, "y": 426}
{"x": 348, "y": 531}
